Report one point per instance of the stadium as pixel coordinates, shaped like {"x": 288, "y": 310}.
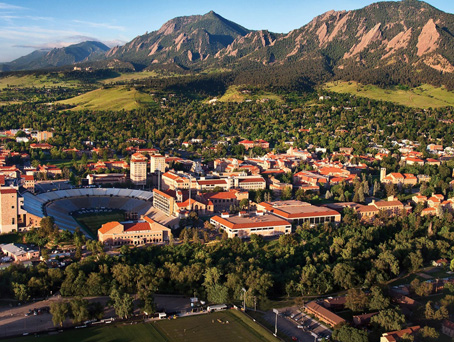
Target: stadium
{"x": 88, "y": 208}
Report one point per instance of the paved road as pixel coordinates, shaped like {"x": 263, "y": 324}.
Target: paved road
{"x": 14, "y": 322}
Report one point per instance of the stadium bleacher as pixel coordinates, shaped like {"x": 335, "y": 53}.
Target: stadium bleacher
{"x": 61, "y": 203}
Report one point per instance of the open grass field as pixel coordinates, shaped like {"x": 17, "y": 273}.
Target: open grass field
{"x": 35, "y": 81}
{"x": 93, "y": 221}
{"x": 425, "y": 96}
{"x": 115, "y": 98}
{"x": 233, "y": 94}
{"x": 125, "y": 77}
{"x": 201, "y": 328}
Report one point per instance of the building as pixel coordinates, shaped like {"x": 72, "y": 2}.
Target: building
{"x": 251, "y": 183}
{"x": 42, "y": 136}
{"x": 244, "y": 224}
{"x": 164, "y": 202}
{"x": 392, "y": 206}
{"x": 19, "y": 252}
{"x": 448, "y": 328}
{"x": 361, "y": 320}
{"x": 256, "y": 143}
{"x": 139, "y": 169}
{"x": 134, "y": 233}
{"x": 397, "y": 335}
{"x": 8, "y": 210}
{"x": 28, "y": 182}
{"x": 157, "y": 163}
{"x": 400, "y": 179}
{"x": 297, "y": 212}
{"x": 106, "y": 178}
{"x": 43, "y": 146}
{"x": 221, "y": 201}
{"x": 173, "y": 181}
{"x": 323, "y": 314}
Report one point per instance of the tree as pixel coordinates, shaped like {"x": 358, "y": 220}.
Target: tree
{"x": 122, "y": 303}
{"x": 286, "y": 193}
{"x": 428, "y": 334}
{"x": 59, "y": 310}
{"x": 344, "y": 275}
{"x": 389, "y": 319}
{"x": 244, "y": 203}
{"x": 79, "y": 310}
{"x": 350, "y": 334}
{"x": 21, "y": 292}
{"x": 356, "y": 300}
{"x": 377, "y": 300}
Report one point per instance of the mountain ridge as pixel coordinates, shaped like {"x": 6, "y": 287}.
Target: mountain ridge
{"x": 404, "y": 41}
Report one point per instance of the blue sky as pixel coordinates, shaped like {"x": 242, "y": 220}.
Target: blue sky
{"x": 27, "y": 25}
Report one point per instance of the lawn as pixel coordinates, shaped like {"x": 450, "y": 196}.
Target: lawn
{"x": 115, "y": 98}
{"x": 93, "y": 221}
{"x": 201, "y": 328}
{"x": 233, "y": 94}
{"x": 117, "y": 333}
{"x": 35, "y": 81}
{"x": 424, "y": 96}
{"x": 126, "y": 77}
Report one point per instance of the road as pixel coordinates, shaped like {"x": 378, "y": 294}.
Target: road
{"x": 13, "y": 320}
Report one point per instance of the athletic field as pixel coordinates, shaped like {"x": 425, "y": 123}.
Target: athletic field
{"x": 93, "y": 221}
{"x": 227, "y": 326}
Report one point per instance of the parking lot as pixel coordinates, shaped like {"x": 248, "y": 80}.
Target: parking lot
{"x": 293, "y": 323}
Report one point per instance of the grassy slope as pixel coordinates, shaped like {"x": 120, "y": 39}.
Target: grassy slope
{"x": 130, "y": 76}
{"x": 424, "y": 96}
{"x": 202, "y": 328}
{"x": 35, "y": 81}
{"x": 234, "y": 95}
{"x": 116, "y": 98}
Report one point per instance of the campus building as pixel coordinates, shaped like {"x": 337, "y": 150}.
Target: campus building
{"x": 139, "y": 165}
{"x": 146, "y": 231}
{"x": 323, "y": 314}
{"x": 244, "y": 224}
{"x": 297, "y": 212}
{"x": 157, "y": 163}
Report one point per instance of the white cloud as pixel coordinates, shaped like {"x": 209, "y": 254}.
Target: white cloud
{"x": 5, "y": 6}
{"x": 100, "y": 25}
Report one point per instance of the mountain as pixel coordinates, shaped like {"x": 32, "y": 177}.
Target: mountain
{"x": 182, "y": 40}
{"x": 393, "y": 42}
{"x": 41, "y": 59}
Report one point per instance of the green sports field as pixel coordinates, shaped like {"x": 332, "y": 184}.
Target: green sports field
{"x": 201, "y": 328}
{"x": 93, "y": 221}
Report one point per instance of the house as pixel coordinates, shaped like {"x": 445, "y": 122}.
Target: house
{"x": 361, "y": 320}
{"x": 397, "y": 335}
{"x": 19, "y": 252}
{"x": 440, "y": 262}
{"x": 447, "y": 328}
{"x": 398, "y": 178}
{"x": 323, "y": 314}
{"x": 414, "y": 161}
{"x": 419, "y": 199}
{"x": 245, "y": 224}
{"x": 335, "y": 303}
{"x": 135, "y": 233}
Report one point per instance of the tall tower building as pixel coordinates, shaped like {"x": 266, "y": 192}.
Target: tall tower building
{"x": 157, "y": 163}
{"x": 8, "y": 210}
{"x": 139, "y": 170}
{"x": 382, "y": 173}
